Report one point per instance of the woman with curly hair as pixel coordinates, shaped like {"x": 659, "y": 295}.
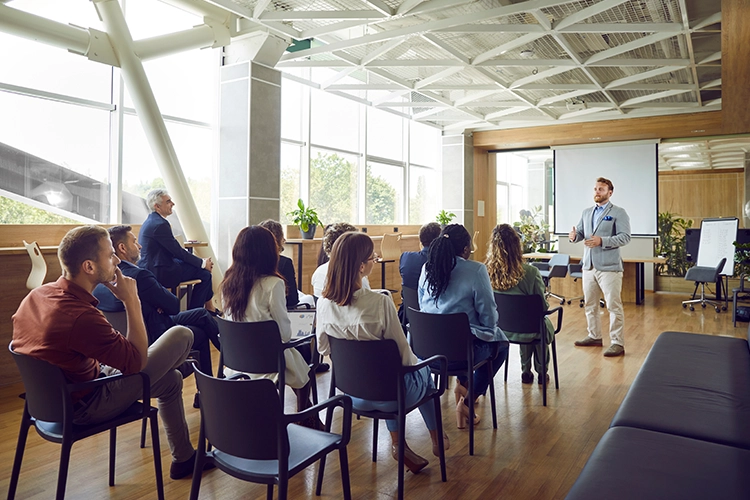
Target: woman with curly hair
{"x": 450, "y": 283}
{"x": 510, "y": 274}
{"x": 330, "y": 236}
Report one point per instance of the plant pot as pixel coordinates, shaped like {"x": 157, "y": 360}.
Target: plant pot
{"x": 310, "y": 233}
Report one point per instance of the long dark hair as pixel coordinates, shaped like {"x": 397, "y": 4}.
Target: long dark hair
{"x": 441, "y": 259}
{"x": 254, "y": 256}
{"x": 349, "y": 252}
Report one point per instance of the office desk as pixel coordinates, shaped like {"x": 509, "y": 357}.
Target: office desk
{"x": 633, "y": 277}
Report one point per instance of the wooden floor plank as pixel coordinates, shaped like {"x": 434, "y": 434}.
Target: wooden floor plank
{"x": 536, "y": 452}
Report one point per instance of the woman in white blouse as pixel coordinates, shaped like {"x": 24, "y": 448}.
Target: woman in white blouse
{"x": 252, "y": 290}
{"x": 349, "y": 311}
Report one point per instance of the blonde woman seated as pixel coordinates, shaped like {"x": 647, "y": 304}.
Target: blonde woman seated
{"x": 252, "y": 290}
{"x": 320, "y": 275}
{"x": 349, "y": 311}
{"x": 510, "y": 274}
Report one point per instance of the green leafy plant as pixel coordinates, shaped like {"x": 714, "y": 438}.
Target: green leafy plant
{"x": 444, "y": 218}
{"x": 304, "y": 217}
{"x": 533, "y": 230}
{"x": 671, "y": 244}
{"x": 741, "y": 258}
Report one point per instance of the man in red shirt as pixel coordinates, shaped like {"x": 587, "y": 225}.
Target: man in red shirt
{"x": 59, "y": 323}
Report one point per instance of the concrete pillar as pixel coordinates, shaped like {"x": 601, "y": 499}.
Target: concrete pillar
{"x": 458, "y": 178}
{"x": 249, "y": 150}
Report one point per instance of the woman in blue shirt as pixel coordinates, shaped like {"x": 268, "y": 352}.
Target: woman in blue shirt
{"x": 450, "y": 283}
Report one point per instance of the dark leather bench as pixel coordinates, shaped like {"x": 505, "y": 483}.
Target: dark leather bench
{"x": 683, "y": 429}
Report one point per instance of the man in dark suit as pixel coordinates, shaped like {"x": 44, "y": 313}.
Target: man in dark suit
{"x": 162, "y": 254}
{"x": 160, "y": 307}
{"x": 410, "y": 264}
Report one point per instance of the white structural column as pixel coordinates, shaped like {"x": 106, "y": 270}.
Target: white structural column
{"x": 153, "y": 125}
{"x": 458, "y": 178}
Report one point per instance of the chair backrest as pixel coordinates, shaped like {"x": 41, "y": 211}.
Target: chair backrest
{"x": 390, "y": 247}
{"x": 38, "y": 265}
{"x": 46, "y": 388}
{"x": 575, "y": 269}
{"x": 558, "y": 265}
{"x": 242, "y": 417}
{"x": 719, "y": 268}
{"x": 118, "y": 320}
{"x": 445, "y": 334}
{"x": 367, "y": 369}
{"x": 252, "y": 347}
{"x": 520, "y": 313}
{"x": 410, "y": 298}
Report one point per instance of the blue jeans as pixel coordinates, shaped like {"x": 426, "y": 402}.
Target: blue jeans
{"x": 417, "y": 383}
{"x": 482, "y": 350}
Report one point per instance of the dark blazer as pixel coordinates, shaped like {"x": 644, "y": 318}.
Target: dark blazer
{"x": 286, "y": 270}
{"x": 410, "y": 267}
{"x": 161, "y": 253}
{"x": 153, "y": 297}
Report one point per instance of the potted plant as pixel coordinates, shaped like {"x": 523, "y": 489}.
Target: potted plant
{"x": 444, "y": 218}
{"x": 533, "y": 230}
{"x": 670, "y": 244}
{"x": 306, "y": 218}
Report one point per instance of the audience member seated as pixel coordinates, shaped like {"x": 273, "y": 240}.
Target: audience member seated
{"x": 329, "y": 238}
{"x": 410, "y": 265}
{"x": 511, "y": 275}
{"x": 60, "y": 324}
{"x": 162, "y": 254}
{"x": 349, "y": 311}
{"x": 450, "y": 283}
{"x": 252, "y": 290}
{"x": 293, "y": 296}
{"x": 322, "y": 255}
{"x": 160, "y": 307}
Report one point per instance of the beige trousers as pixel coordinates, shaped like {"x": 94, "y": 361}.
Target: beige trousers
{"x": 607, "y": 283}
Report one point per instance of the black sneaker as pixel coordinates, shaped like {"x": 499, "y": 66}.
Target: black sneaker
{"x": 322, "y": 368}
{"x": 181, "y": 470}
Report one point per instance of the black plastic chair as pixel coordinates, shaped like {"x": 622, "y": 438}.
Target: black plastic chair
{"x": 450, "y": 335}
{"x": 525, "y": 314}
{"x": 256, "y": 347}
{"x": 372, "y": 370}
{"x": 252, "y": 438}
{"x": 410, "y": 297}
{"x": 49, "y": 408}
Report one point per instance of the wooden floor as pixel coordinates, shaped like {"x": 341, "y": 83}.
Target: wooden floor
{"x": 535, "y": 453}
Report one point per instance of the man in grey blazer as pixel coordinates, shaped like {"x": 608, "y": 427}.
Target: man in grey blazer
{"x": 604, "y": 229}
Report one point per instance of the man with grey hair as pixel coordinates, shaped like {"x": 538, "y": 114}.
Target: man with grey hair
{"x": 162, "y": 254}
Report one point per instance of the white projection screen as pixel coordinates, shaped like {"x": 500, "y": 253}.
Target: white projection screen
{"x": 631, "y": 166}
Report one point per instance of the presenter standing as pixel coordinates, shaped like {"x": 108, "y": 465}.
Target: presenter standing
{"x": 604, "y": 229}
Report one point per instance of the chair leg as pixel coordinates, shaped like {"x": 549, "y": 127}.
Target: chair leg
{"x": 269, "y": 492}
{"x": 283, "y": 484}
{"x": 375, "y": 425}
{"x": 20, "y": 447}
{"x": 554, "y": 362}
{"x": 544, "y": 375}
{"x": 506, "y": 370}
{"x": 62, "y": 475}
{"x": 112, "y": 454}
{"x": 401, "y": 450}
{"x": 156, "y": 450}
{"x": 734, "y": 309}
{"x": 492, "y": 389}
{"x": 143, "y": 433}
{"x": 344, "y": 466}
{"x": 471, "y": 412}
{"x": 441, "y": 443}
{"x": 314, "y": 388}
{"x": 200, "y": 460}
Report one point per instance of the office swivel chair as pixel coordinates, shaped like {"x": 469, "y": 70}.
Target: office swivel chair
{"x": 557, "y": 267}
{"x": 702, "y": 275}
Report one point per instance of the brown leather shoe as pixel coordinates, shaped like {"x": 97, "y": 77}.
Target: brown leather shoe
{"x": 614, "y": 350}
{"x": 588, "y": 342}
{"x": 412, "y": 461}
{"x": 527, "y": 377}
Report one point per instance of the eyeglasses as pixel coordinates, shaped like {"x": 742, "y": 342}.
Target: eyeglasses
{"x": 373, "y": 258}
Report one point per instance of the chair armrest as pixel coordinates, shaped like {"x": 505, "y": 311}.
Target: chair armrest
{"x": 92, "y": 384}
{"x": 442, "y": 360}
{"x": 299, "y": 341}
{"x": 542, "y": 266}
{"x": 341, "y": 400}
{"x": 559, "y": 311}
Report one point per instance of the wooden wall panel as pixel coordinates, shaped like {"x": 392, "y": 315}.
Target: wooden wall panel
{"x": 484, "y": 189}
{"x": 698, "y": 195}
{"x": 735, "y": 65}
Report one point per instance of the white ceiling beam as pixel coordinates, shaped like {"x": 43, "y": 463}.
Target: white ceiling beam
{"x": 260, "y": 7}
{"x": 657, "y": 86}
{"x": 527, "y": 62}
{"x": 638, "y": 62}
{"x": 433, "y": 5}
{"x": 247, "y": 16}
{"x": 379, "y": 51}
{"x": 506, "y": 112}
{"x": 687, "y": 43}
{"x": 277, "y": 26}
{"x": 716, "y": 56}
{"x": 424, "y": 114}
{"x": 712, "y": 19}
{"x": 461, "y": 125}
{"x": 392, "y": 95}
{"x": 652, "y": 97}
{"x": 313, "y": 64}
{"x": 712, "y": 84}
{"x": 627, "y": 47}
{"x": 714, "y": 102}
{"x": 331, "y": 28}
{"x": 409, "y": 63}
{"x": 501, "y": 49}
{"x": 321, "y": 15}
{"x": 380, "y": 6}
{"x": 583, "y": 112}
{"x": 446, "y": 47}
{"x": 475, "y": 96}
{"x": 413, "y": 104}
{"x": 406, "y": 6}
{"x": 493, "y": 28}
{"x": 641, "y": 76}
{"x": 363, "y": 86}
{"x": 665, "y": 105}
{"x": 338, "y": 76}
{"x": 539, "y": 76}
{"x": 436, "y": 77}
{"x": 438, "y": 86}
{"x": 593, "y": 10}
{"x": 428, "y": 26}
{"x": 542, "y": 19}
{"x": 499, "y": 104}
{"x": 562, "y": 97}
{"x": 622, "y": 28}
{"x": 556, "y": 87}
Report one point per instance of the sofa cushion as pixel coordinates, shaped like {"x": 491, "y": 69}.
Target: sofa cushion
{"x": 638, "y": 464}
{"x": 692, "y": 385}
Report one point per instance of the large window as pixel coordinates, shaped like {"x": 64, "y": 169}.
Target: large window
{"x": 333, "y": 185}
